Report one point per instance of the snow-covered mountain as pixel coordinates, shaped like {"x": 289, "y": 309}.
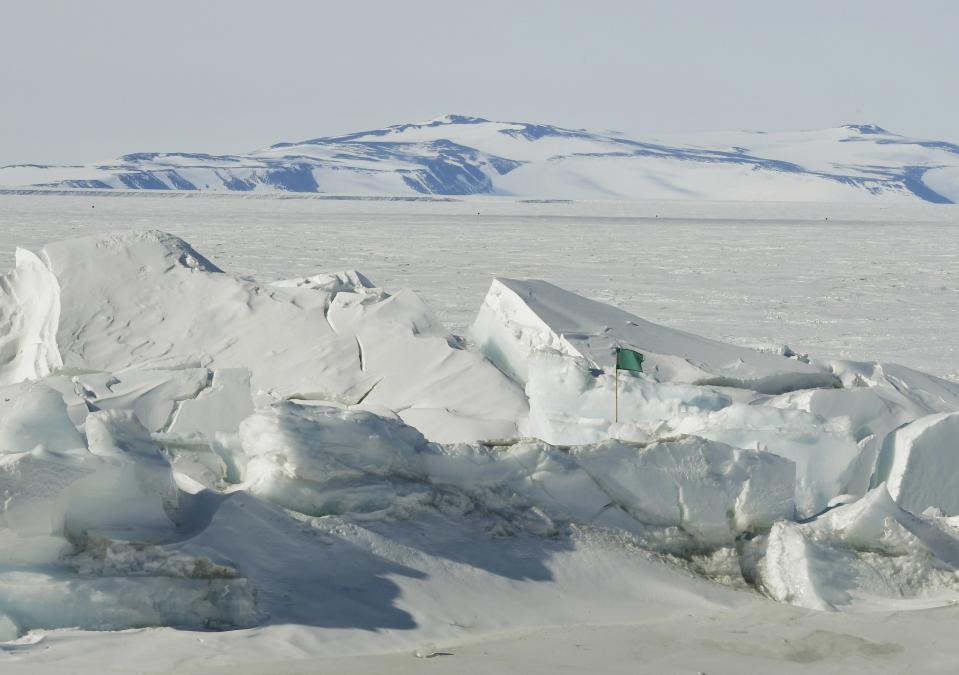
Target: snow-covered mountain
{"x": 459, "y": 155}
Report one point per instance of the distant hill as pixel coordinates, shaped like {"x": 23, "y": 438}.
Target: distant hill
{"x": 458, "y": 155}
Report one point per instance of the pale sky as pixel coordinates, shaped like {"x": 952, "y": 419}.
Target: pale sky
{"x": 87, "y": 81}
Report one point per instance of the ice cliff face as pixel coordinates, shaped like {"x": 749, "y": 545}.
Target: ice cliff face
{"x": 459, "y": 155}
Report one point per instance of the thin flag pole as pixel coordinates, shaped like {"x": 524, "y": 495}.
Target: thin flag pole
{"x": 616, "y": 388}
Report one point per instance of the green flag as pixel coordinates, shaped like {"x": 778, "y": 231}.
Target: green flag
{"x": 627, "y": 359}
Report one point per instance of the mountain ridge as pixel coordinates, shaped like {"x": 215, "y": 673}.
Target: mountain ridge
{"x": 465, "y": 155}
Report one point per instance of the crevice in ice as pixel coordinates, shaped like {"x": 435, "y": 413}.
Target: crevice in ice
{"x": 360, "y": 355}
{"x": 369, "y": 391}
{"x": 178, "y": 402}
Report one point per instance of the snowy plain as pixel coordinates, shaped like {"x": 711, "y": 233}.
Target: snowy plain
{"x": 871, "y": 282}
{"x": 868, "y": 283}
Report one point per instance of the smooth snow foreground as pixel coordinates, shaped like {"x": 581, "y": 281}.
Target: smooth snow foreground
{"x": 314, "y": 459}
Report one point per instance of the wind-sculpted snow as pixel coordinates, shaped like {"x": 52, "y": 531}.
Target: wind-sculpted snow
{"x": 180, "y": 446}
{"x": 461, "y": 155}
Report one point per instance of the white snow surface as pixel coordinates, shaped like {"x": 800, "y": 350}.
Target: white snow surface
{"x": 462, "y": 155}
{"x": 256, "y": 472}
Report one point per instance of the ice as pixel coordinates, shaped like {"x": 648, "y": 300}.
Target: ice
{"x": 122, "y": 486}
{"x": 39, "y": 600}
{"x": 709, "y": 490}
{"x": 29, "y": 316}
{"x": 866, "y": 553}
{"x": 137, "y": 497}
{"x": 33, "y": 414}
{"x": 570, "y": 403}
{"x": 918, "y": 463}
{"x": 518, "y": 318}
{"x": 342, "y": 341}
{"x": 320, "y": 461}
{"x": 152, "y": 395}
{"x": 829, "y": 417}
{"x": 218, "y": 452}
{"x": 217, "y": 409}
{"x": 38, "y": 488}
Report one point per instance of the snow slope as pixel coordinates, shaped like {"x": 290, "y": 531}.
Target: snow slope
{"x": 316, "y": 467}
{"x": 461, "y": 155}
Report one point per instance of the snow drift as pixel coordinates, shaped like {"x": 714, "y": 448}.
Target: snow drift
{"x": 176, "y": 442}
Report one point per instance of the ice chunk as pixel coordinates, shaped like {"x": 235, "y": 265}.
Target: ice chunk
{"x": 122, "y": 486}
{"x": 706, "y": 492}
{"x": 708, "y": 489}
{"x": 321, "y": 460}
{"x": 869, "y": 552}
{"x": 570, "y": 404}
{"x": 824, "y": 451}
{"x": 42, "y": 600}
{"x": 136, "y": 495}
{"x": 341, "y": 282}
{"x": 152, "y": 395}
{"x": 324, "y": 460}
{"x": 920, "y": 464}
{"x": 29, "y": 316}
{"x": 32, "y": 414}
{"x": 147, "y": 300}
{"x": 36, "y": 489}
{"x": 519, "y": 318}
{"x": 919, "y": 391}
{"x": 220, "y": 408}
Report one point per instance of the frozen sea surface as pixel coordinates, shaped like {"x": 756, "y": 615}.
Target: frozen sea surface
{"x": 358, "y": 593}
{"x": 868, "y": 283}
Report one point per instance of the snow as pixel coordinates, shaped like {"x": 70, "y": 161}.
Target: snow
{"x": 459, "y": 155}
{"x": 260, "y": 471}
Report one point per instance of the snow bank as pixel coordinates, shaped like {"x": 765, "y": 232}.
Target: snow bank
{"x": 869, "y": 552}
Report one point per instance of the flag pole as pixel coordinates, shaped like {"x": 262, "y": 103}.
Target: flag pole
{"x": 616, "y": 388}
